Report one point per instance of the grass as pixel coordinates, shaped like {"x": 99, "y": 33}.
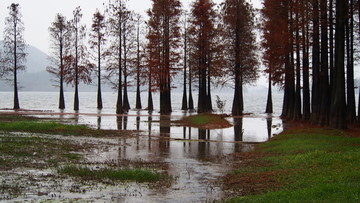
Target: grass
{"x": 306, "y": 166}
{"x": 206, "y": 121}
{"x": 41, "y": 127}
{"x": 32, "y": 151}
{"x": 18, "y": 123}
{"x": 138, "y": 175}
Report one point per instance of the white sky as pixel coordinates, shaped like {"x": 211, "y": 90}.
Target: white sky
{"x": 39, "y": 14}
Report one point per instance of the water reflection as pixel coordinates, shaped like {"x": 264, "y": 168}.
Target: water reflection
{"x": 269, "y": 125}
{"x": 119, "y": 122}
{"x": 238, "y": 129}
{"x": 99, "y": 122}
{"x": 164, "y": 141}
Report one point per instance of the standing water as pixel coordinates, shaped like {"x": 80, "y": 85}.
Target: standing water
{"x": 195, "y": 157}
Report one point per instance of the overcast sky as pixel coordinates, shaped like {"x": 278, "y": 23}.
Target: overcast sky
{"x": 38, "y": 15}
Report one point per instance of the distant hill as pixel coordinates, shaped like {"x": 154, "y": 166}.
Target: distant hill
{"x": 36, "y": 78}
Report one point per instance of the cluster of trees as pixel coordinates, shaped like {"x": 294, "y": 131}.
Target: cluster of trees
{"x": 309, "y": 45}
{"x": 308, "y": 49}
{"x": 210, "y": 44}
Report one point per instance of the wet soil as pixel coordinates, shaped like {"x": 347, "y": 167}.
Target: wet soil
{"x": 196, "y": 159}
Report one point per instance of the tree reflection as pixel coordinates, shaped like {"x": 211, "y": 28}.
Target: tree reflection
{"x": 164, "y": 142}
{"x": 269, "y": 125}
{"x": 239, "y": 133}
{"x": 238, "y": 129}
{"x": 119, "y": 121}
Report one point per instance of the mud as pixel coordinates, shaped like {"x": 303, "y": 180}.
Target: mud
{"x": 196, "y": 159}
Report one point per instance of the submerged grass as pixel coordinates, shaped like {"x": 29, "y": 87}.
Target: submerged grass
{"x": 18, "y": 123}
{"x": 206, "y": 121}
{"x": 138, "y": 175}
{"x": 310, "y": 165}
{"x": 41, "y": 127}
{"x": 33, "y": 151}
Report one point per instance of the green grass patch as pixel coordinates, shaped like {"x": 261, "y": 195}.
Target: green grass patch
{"x": 138, "y": 175}
{"x": 311, "y": 166}
{"x": 206, "y": 121}
{"x": 34, "y": 151}
{"x": 41, "y": 127}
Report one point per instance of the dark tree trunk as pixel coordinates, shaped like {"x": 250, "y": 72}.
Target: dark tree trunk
{"x": 119, "y": 103}
{"x": 99, "y": 96}
{"x": 184, "y": 105}
{"x": 324, "y": 72}
{"x": 306, "y": 74}
{"x": 138, "y": 96}
{"x": 359, "y": 84}
{"x": 315, "y": 104}
{"x": 138, "y": 93}
{"x": 331, "y": 39}
{"x": 289, "y": 91}
{"x": 237, "y": 108}
{"x": 165, "y": 95}
{"x": 297, "y": 106}
{"x": 191, "y": 100}
{"x": 16, "y": 96}
{"x": 202, "y": 86}
{"x": 338, "y": 106}
{"x": 150, "y": 99}
{"x": 61, "y": 93}
{"x": 209, "y": 100}
{"x": 126, "y": 103}
{"x": 269, "y": 103}
{"x": 351, "y": 109}
{"x": 76, "y": 98}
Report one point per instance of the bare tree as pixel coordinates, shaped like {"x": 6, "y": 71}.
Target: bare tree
{"x": 14, "y": 48}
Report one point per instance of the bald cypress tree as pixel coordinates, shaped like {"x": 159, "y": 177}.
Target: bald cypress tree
{"x": 14, "y": 48}
{"x": 59, "y": 33}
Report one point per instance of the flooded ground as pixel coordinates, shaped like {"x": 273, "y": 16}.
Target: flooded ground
{"x": 195, "y": 158}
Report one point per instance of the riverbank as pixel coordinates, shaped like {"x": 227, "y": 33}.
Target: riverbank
{"x": 300, "y": 165}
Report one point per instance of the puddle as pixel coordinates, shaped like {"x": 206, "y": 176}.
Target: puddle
{"x": 195, "y": 157}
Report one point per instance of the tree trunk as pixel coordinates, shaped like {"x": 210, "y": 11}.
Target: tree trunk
{"x": 331, "y": 39}
{"x": 165, "y": 88}
{"x": 191, "y": 100}
{"x": 150, "y": 99}
{"x": 76, "y": 98}
{"x": 126, "y": 104}
{"x": 208, "y": 95}
{"x": 61, "y": 93}
{"x": 99, "y": 96}
{"x": 16, "y": 96}
{"x": 324, "y": 110}
{"x": 338, "y": 106}
{"x": 184, "y": 105}
{"x": 306, "y": 74}
{"x": 315, "y": 104}
{"x": 297, "y": 106}
{"x": 269, "y": 103}
{"x": 138, "y": 93}
{"x": 351, "y": 109}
